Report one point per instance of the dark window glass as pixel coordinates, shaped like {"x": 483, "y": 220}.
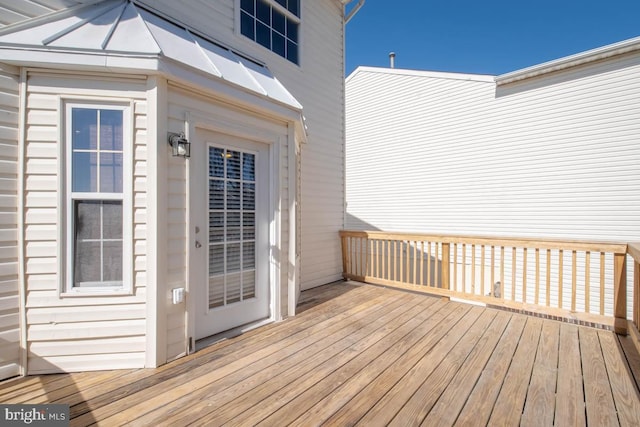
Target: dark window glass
{"x": 294, "y": 7}
{"x": 263, "y": 35}
{"x": 279, "y": 22}
{"x": 248, "y": 6}
{"x": 292, "y": 52}
{"x": 292, "y": 31}
{"x": 278, "y": 44}
{"x": 282, "y": 3}
{"x": 246, "y": 26}
{"x": 84, "y": 129}
{"x": 263, "y": 12}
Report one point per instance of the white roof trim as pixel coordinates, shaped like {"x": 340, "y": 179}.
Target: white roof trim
{"x": 117, "y": 34}
{"x": 604, "y": 52}
{"x": 418, "y": 73}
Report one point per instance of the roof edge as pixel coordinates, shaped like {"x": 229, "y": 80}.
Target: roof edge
{"x": 423, "y": 73}
{"x": 608, "y": 51}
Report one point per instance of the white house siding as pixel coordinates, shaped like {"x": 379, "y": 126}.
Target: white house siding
{"x": 318, "y": 85}
{"x": 552, "y": 156}
{"x": 78, "y": 333}
{"x": 198, "y": 108}
{"x": 9, "y": 294}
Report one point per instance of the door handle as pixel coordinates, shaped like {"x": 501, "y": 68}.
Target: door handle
{"x": 198, "y": 245}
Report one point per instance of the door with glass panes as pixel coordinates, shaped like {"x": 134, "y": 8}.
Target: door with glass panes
{"x": 231, "y": 232}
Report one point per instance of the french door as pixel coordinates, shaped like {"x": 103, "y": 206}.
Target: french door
{"x": 231, "y": 218}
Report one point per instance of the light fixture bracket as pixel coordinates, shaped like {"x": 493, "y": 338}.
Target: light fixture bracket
{"x": 180, "y": 147}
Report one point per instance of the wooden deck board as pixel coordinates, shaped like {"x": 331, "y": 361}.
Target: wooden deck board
{"x": 366, "y": 355}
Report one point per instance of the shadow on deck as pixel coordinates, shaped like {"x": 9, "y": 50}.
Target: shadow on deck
{"x": 368, "y": 355}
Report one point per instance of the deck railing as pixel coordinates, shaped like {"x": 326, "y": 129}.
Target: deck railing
{"x": 582, "y": 282}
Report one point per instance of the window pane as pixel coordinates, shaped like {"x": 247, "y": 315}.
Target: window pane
{"x": 216, "y": 227}
{"x": 110, "y": 173}
{"x": 84, "y": 129}
{"x": 279, "y": 22}
{"x": 279, "y": 45}
{"x": 233, "y": 195}
{"x": 248, "y": 167}
{"x": 248, "y": 196}
{"x": 216, "y": 259}
{"x": 233, "y": 288}
{"x": 247, "y": 24}
{"x": 112, "y": 219}
{"x": 248, "y": 6}
{"x": 248, "y": 255}
{"x": 216, "y": 194}
{"x": 294, "y": 7}
{"x": 233, "y": 257}
{"x": 263, "y": 35}
{"x": 87, "y": 219}
{"x": 292, "y": 52}
{"x": 233, "y": 226}
{"x": 87, "y": 263}
{"x": 248, "y": 226}
{"x": 84, "y": 176}
{"x": 112, "y": 263}
{"x": 282, "y": 3}
{"x": 263, "y": 12}
{"x": 233, "y": 164}
{"x": 111, "y": 133}
{"x": 292, "y": 31}
{"x": 216, "y": 162}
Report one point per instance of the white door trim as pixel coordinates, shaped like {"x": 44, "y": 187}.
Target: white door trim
{"x": 193, "y": 122}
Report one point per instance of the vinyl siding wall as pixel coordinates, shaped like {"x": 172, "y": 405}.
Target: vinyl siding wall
{"x": 9, "y": 276}
{"x": 554, "y": 156}
{"x": 318, "y": 85}
{"x": 78, "y": 333}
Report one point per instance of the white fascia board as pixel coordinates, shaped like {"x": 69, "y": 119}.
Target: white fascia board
{"x": 593, "y": 55}
{"x": 419, "y": 73}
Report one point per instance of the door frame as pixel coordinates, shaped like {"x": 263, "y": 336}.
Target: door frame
{"x": 195, "y": 124}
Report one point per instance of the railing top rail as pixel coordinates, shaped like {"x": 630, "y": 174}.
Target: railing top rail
{"x": 526, "y": 242}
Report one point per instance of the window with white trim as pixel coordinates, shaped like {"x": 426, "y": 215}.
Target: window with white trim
{"x": 97, "y": 198}
{"x": 274, "y": 24}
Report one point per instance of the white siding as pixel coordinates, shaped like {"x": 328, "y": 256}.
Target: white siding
{"x": 78, "y": 333}
{"x": 9, "y": 295}
{"x": 318, "y": 85}
{"x": 555, "y": 156}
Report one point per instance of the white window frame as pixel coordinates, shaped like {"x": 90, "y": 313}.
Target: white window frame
{"x": 283, "y": 10}
{"x": 68, "y": 197}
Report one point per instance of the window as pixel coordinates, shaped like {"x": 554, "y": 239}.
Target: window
{"x": 97, "y": 204}
{"x": 274, "y": 24}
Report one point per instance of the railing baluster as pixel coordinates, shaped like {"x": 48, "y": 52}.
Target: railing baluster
{"x": 537, "y": 292}
{"x": 601, "y": 283}
{"x": 493, "y": 268}
{"x": 446, "y": 266}
{"x": 402, "y": 266}
{"x": 513, "y": 274}
{"x": 415, "y": 262}
{"x": 429, "y": 264}
{"x": 548, "y": 285}
{"x": 482, "y": 271}
{"x": 587, "y": 282}
{"x": 464, "y": 268}
{"x": 560, "y": 278}
{"x": 455, "y": 266}
{"x": 502, "y": 272}
{"x": 422, "y": 262}
{"x": 473, "y": 269}
{"x": 620, "y": 293}
{"x": 573, "y": 280}
{"x": 524, "y": 275}
{"x": 436, "y": 281}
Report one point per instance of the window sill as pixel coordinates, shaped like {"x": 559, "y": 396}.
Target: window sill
{"x": 102, "y": 292}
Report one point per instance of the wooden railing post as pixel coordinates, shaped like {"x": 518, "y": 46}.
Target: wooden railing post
{"x": 446, "y": 260}
{"x": 620, "y": 293}
{"x": 636, "y": 294}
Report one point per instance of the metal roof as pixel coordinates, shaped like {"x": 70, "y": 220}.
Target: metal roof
{"x": 118, "y": 34}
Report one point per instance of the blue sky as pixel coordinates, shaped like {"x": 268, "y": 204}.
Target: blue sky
{"x": 484, "y": 37}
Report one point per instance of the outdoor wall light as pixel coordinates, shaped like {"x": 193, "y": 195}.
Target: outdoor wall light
{"x": 180, "y": 147}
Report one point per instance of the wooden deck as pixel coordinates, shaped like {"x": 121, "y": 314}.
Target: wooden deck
{"x": 365, "y": 355}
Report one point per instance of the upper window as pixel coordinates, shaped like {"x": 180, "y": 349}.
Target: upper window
{"x": 274, "y": 24}
{"x": 96, "y": 201}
